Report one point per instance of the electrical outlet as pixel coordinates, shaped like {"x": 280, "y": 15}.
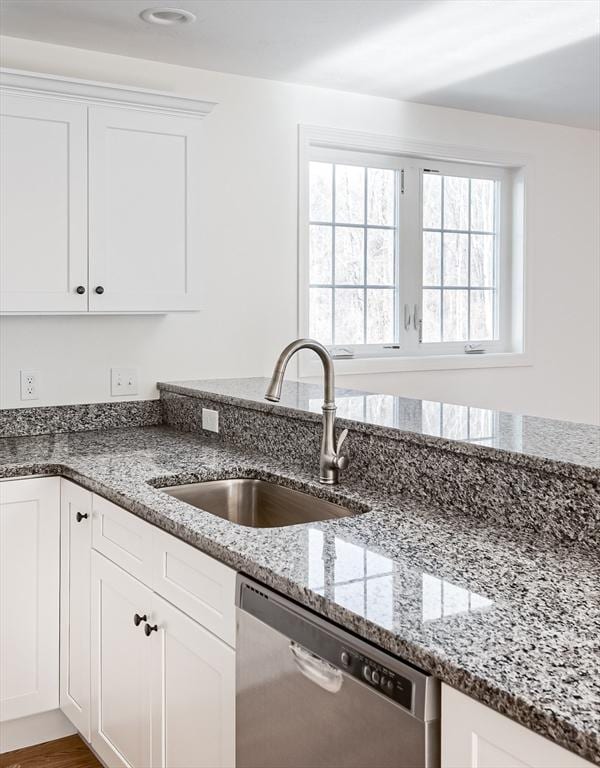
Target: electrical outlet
{"x": 30, "y": 385}
{"x": 210, "y": 420}
{"x": 123, "y": 381}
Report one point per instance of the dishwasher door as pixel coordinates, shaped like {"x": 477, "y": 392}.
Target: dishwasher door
{"x": 297, "y": 708}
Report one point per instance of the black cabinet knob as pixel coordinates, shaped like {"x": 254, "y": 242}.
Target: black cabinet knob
{"x": 80, "y": 289}
{"x": 79, "y": 517}
{"x": 137, "y": 619}
{"x": 148, "y": 629}
{"x": 99, "y": 289}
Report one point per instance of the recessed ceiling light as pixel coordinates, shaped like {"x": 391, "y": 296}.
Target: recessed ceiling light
{"x": 167, "y": 16}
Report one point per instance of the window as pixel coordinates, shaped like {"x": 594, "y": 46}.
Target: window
{"x": 407, "y": 256}
{"x": 353, "y": 231}
{"x": 459, "y": 258}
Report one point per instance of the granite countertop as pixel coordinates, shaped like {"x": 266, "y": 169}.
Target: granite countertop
{"x": 533, "y": 439}
{"x": 515, "y": 623}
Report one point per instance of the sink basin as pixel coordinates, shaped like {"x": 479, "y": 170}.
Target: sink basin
{"x": 256, "y": 503}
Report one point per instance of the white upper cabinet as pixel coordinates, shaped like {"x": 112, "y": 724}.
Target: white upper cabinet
{"x": 43, "y": 205}
{"x": 144, "y": 249}
{"x": 100, "y": 198}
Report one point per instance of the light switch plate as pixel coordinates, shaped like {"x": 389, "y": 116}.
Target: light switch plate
{"x": 210, "y": 420}
{"x": 123, "y": 381}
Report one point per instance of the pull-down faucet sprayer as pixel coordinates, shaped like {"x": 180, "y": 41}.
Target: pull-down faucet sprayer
{"x": 331, "y": 462}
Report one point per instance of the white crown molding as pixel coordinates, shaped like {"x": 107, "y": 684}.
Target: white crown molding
{"x": 358, "y": 141}
{"x": 16, "y": 81}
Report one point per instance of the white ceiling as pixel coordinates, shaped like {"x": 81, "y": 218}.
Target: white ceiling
{"x": 536, "y": 59}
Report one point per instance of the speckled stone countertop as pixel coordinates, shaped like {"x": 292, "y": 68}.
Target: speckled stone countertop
{"x": 512, "y": 621}
{"x": 542, "y": 441}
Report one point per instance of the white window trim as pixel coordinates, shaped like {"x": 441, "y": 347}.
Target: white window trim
{"x": 519, "y": 169}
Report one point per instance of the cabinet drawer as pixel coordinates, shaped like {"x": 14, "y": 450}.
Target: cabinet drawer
{"x": 196, "y": 583}
{"x": 123, "y": 538}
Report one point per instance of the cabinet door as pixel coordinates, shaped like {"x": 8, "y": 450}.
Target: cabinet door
{"x": 196, "y": 583}
{"x": 476, "y": 736}
{"x": 43, "y": 194}
{"x": 193, "y": 693}
{"x": 122, "y": 662}
{"x": 144, "y": 169}
{"x": 29, "y": 596}
{"x": 75, "y": 594}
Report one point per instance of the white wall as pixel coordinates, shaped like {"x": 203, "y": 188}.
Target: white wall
{"x": 250, "y": 221}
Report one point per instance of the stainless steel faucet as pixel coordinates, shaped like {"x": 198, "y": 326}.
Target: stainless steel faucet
{"x": 331, "y": 461}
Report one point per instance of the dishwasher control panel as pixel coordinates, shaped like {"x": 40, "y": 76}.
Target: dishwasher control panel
{"x": 386, "y": 681}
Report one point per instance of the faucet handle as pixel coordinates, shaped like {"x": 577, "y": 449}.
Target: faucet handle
{"x": 341, "y": 462}
{"x": 343, "y": 436}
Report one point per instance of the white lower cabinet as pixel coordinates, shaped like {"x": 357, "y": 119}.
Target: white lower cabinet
{"x": 76, "y": 549}
{"x": 123, "y": 660}
{"x": 193, "y": 694}
{"x": 475, "y": 736}
{"x": 163, "y": 687}
{"x": 29, "y": 596}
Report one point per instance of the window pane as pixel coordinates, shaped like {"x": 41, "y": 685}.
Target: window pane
{"x": 320, "y": 254}
{"x": 380, "y": 257}
{"x": 320, "y": 314}
{"x": 456, "y": 259}
{"x": 349, "y": 316}
{"x": 455, "y": 315}
{"x": 456, "y": 203}
{"x": 482, "y": 260}
{"x": 349, "y": 255}
{"x": 380, "y": 316}
{"x": 381, "y": 196}
{"x": 432, "y": 315}
{"x": 482, "y": 315}
{"x": 432, "y": 201}
{"x": 482, "y": 205}
{"x": 321, "y": 176}
{"x": 349, "y": 194}
{"x": 432, "y": 252}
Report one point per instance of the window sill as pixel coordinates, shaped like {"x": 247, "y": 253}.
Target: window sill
{"x": 357, "y": 365}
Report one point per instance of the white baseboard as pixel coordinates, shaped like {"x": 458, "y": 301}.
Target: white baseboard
{"x": 35, "y": 729}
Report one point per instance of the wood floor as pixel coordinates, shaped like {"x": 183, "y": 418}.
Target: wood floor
{"x": 70, "y": 752}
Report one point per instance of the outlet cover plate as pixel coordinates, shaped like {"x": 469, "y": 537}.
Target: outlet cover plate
{"x": 123, "y": 381}
{"x": 210, "y": 420}
{"x": 30, "y": 385}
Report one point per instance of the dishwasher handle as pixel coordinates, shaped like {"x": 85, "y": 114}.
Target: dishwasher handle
{"x": 318, "y": 671}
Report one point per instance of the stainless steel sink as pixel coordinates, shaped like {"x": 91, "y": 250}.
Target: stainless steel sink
{"x": 256, "y": 503}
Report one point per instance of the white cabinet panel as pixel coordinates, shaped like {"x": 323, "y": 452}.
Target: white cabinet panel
{"x": 75, "y": 589}
{"x": 123, "y": 538}
{"x": 474, "y": 735}
{"x": 29, "y": 596}
{"x": 43, "y": 194}
{"x": 143, "y": 186}
{"x": 201, "y": 586}
{"x": 194, "y": 693}
{"x": 122, "y": 662}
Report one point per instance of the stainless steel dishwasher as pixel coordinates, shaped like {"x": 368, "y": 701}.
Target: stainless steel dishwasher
{"x": 310, "y": 695}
